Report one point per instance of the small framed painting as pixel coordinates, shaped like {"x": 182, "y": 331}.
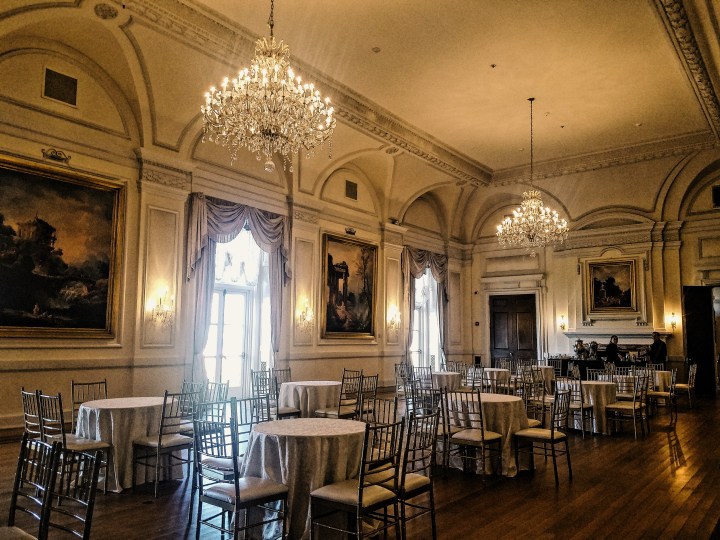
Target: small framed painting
{"x": 349, "y": 288}
{"x": 611, "y": 287}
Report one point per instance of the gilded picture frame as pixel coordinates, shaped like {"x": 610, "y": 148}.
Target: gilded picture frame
{"x": 611, "y": 288}
{"x": 60, "y": 246}
{"x": 349, "y": 288}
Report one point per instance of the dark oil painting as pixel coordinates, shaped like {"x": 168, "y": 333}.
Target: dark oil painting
{"x": 349, "y": 291}
{"x": 56, "y": 252}
{"x": 612, "y": 285}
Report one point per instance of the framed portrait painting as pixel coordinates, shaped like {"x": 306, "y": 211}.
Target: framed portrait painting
{"x": 59, "y": 252}
{"x": 611, "y": 287}
{"x": 349, "y": 291}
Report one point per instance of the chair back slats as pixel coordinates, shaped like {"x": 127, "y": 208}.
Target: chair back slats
{"x": 465, "y": 410}
{"x": 381, "y": 457}
{"x": 52, "y": 418}
{"x": 279, "y": 376}
{"x": 382, "y": 411}
{"x": 595, "y": 374}
{"x": 350, "y": 387}
{"x": 177, "y": 412}
{"x": 420, "y": 444}
{"x": 216, "y": 391}
{"x": 422, "y": 374}
{"x": 86, "y": 391}
{"x": 35, "y": 478}
{"x": 31, "y": 413}
{"x": 560, "y": 410}
{"x": 75, "y": 492}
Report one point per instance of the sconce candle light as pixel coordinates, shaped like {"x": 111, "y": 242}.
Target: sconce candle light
{"x": 304, "y": 317}
{"x": 673, "y": 321}
{"x": 562, "y": 323}
{"x": 393, "y": 321}
{"x": 162, "y": 311}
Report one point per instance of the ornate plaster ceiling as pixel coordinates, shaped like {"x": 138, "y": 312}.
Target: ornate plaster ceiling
{"x": 448, "y": 81}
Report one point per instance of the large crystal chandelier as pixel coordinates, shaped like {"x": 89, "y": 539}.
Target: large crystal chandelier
{"x": 532, "y": 225}
{"x": 267, "y": 109}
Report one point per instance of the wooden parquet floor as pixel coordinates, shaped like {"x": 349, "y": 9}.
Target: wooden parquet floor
{"x": 665, "y": 485}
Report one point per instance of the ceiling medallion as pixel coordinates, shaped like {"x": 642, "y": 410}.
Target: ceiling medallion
{"x": 533, "y": 225}
{"x": 267, "y": 109}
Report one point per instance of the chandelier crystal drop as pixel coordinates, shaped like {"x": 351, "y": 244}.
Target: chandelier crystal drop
{"x": 532, "y": 225}
{"x": 267, "y": 108}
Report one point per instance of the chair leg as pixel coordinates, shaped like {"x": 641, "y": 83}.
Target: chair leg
{"x": 554, "y": 458}
{"x": 567, "y": 455}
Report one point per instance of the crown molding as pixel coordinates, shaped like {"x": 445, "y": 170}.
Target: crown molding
{"x": 674, "y": 17}
{"x": 220, "y": 38}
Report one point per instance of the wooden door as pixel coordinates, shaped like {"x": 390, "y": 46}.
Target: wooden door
{"x": 512, "y": 326}
{"x": 699, "y": 326}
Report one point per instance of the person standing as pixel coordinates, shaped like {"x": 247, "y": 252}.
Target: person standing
{"x": 612, "y": 353}
{"x": 658, "y": 350}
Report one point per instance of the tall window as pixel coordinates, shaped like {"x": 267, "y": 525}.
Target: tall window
{"x": 425, "y": 343}
{"x": 239, "y": 333}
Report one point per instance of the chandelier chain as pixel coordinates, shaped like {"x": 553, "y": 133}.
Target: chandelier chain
{"x": 271, "y": 20}
{"x": 531, "y": 140}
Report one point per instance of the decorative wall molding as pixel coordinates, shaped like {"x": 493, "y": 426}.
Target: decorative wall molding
{"x": 305, "y": 215}
{"x": 578, "y": 242}
{"x": 673, "y": 14}
{"x": 611, "y": 158}
{"x": 165, "y": 175}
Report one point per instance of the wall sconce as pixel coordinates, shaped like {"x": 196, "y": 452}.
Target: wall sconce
{"x": 673, "y": 321}
{"x": 393, "y": 321}
{"x": 162, "y": 310}
{"x": 304, "y": 317}
{"x": 562, "y": 323}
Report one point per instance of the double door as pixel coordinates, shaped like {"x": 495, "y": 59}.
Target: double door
{"x": 513, "y": 328}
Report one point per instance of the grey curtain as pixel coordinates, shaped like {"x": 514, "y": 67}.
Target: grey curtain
{"x": 213, "y": 220}
{"x": 413, "y": 264}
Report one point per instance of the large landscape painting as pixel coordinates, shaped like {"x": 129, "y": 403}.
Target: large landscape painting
{"x": 58, "y": 242}
{"x": 349, "y": 287}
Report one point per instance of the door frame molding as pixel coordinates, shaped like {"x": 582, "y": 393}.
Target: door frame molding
{"x": 513, "y": 285}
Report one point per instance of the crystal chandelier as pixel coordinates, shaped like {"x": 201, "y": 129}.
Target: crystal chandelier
{"x": 532, "y": 225}
{"x": 267, "y": 109}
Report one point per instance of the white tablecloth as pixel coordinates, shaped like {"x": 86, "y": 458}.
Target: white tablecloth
{"x": 304, "y": 454}
{"x": 449, "y": 379}
{"x": 120, "y": 421}
{"x": 599, "y": 393}
{"x": 505, "y": 415}
{"x": 309, "y": 396}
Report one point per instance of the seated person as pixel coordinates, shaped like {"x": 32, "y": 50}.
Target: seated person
{"x": 580, "y": 351}
{"x": 612, "y": 354}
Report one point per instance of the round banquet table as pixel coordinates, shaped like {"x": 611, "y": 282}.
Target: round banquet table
{"x": 505, "y": 415}
{"x": 309, "y": 396}
{"x": 304, "y": 454}
{"x": 449, "y": 379}
{"x": 599, "y": 394}
{"x": 120, "y": 421}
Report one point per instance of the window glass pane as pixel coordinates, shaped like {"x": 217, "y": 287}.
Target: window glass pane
{"x": 210, "y": 363}
{"x": 215, "y": 308}
{"x": 232, "y": 370}
{"x": 238, "y": 262}
{"x": 211, "y": 345}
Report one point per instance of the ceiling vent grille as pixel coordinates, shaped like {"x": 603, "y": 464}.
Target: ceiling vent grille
{"x": 351, "y": 190}
{"x": 60, "y": 87}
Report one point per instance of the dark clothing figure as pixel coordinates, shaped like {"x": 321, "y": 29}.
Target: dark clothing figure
{"x": 612, "y": 353}
{"x": 658, "y": 352}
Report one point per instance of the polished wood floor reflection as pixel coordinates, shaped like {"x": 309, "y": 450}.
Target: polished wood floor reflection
{"x": 665, "y": 485}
